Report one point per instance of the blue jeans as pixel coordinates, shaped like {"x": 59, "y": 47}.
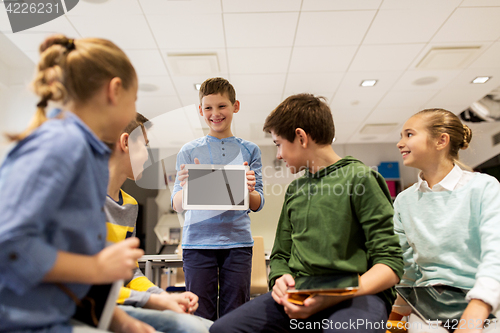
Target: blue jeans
{"x": 225, "y": 273}
{"x": 168, "y": 321}
{"x": 366, "y": 314}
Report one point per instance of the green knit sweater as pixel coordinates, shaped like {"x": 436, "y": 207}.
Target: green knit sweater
{"x": 338, "y": 219}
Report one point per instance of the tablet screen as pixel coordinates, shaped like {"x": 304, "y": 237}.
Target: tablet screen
{"x": 436, "y": 303}
{"x": 215, "y": 187}
{"x": 326, "y": 283}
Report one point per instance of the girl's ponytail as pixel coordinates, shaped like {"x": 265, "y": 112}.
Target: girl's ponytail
{"x": 49, "y": 80}
{"x": 75, "y": 70}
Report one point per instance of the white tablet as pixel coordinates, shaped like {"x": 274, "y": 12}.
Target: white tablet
{"x": 215, "y": 187}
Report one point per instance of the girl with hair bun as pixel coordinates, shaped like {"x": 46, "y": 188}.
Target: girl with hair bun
{"x": 449, "y": 221}
{"x": 53, "y": 187}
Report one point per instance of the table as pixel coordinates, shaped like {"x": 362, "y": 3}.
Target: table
{"x": 153, "y": 264}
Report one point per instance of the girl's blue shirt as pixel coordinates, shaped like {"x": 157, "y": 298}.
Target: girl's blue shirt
{"x": 52, "y": 191}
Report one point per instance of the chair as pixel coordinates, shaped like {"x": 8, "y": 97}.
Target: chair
{"x": 259, "y": 284}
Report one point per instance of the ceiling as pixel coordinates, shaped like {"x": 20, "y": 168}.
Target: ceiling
{"x": 271, "y": 49}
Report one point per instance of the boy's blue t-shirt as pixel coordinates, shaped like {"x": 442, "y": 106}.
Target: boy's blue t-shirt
{"x": 52, "y": 190}
{"x": 215, "y": 229}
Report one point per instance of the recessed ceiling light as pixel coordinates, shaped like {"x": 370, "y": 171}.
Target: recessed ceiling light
{"x": 197, "y": 86}
{"x": 481, "y": 79}
{"x": 368, "y": 83}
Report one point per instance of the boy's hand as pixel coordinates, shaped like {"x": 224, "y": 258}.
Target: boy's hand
{"x": 186, "y": 302}
{"x": 117, "y": 261}
{"x": 311, "y": 306}
{"x": 281, "y": 285}
{"x": 250, "y": 179}
{"x": 183, "y": 174}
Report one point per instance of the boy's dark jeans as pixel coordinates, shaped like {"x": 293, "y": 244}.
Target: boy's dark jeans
{"x": 366, "y": 314}
{"x": 223, "y": 272}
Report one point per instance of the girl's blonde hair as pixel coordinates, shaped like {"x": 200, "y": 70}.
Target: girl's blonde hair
{"x": 75, "y": 70}
{"x": 440, "y": 121}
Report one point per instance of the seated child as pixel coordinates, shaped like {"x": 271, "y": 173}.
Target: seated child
{"x": 448, "y": 222}
{"x": 336, "y": 218}
{"x": 140, "y": 298}
{"x": 53, "y": 188}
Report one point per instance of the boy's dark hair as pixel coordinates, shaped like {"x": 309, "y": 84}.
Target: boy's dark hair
{"x": 217, "y": 85}
{"x": 305, "y": 111}
{"x": 139, "y": 120}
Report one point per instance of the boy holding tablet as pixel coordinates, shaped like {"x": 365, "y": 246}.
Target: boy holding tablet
{"x": 337, "y": 218}
{"x": 217, "y": 245}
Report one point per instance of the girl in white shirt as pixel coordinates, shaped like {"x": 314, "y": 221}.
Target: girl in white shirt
{"x": 449, "y": 221}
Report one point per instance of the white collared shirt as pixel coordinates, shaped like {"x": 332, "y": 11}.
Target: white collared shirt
{"x": 485, "y": 288}
{"x": 455, "y": 179}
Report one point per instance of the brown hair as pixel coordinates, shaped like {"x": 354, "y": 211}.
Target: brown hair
{"x": 440, "y": 121}
{"x": 305, "y": 111}
{"x": 139, "y": 120}
{"x": 74, "y": 70}
{"x": 217, "y": 85}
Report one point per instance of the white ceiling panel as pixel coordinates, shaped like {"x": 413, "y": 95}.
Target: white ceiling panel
{"x": 162, "y": 83}
{"x": 260, "y": 30}
{"x": 328, "y": 28}
{"x": 117, "y": 28}
{"x": 188, "y": 31}
{"x": 351, "y": 95}
{"x": 413, "y": 98}
{"x": 323, "y": 84}
{"x": 258, "y": 104}
{"x": 420, "y": 4}
{"x": 391, "y": 115}
{"x": 400, "y": 26}
{"x": 454, "y": 96}
{"x": 411, "y": 78}
{"x": 321, "y": 59}
{"x": 191, "y": 98}
{"x": 349, "y": 115}
{"x": 180, "y": 7}
{"x": 256, "y": 6}
{"x": 147, "y": 62}
{"x": 480, "y": 3}
{"x": 464, "y": 80}
{"x": 258, "y": 84}
{"x": 471, "y": 24}
{"x": 155, "y": 106}
{"x": 321, "y": 5}
{"x": 220, "y": 52}
{"x": 105, "y": 8}
{"x": 4, "y": 21}
{"x": 385, "y": 57}
{"x": 30, "y": 39}
{"x": 489, "y": 59}
{"x": 259, "y": 60}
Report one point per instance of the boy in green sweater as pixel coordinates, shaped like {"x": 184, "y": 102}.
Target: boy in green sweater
{"x": 336, "y": 218}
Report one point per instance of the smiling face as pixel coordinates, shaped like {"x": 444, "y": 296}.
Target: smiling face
{"x": 416, "y": 145}
{"x": 217, "y": 110}
{"x": 290, "y": 152}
